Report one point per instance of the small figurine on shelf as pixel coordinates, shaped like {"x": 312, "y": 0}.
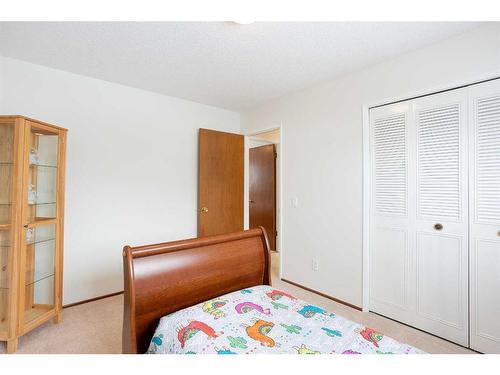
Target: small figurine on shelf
{"x": 34, "y": 156}
{"x": 32, "y": 195}
{"x": 30, "y": 236}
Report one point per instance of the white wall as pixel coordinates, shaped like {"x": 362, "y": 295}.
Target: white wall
{"x": 322, "y": 153}
{"x": 131, "y": 167}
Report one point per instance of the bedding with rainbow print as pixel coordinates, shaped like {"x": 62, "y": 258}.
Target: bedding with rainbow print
{"x": 262, "y": 319}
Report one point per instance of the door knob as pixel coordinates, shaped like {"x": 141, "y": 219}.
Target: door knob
{"x": 438, "y": 226}
{"x": 251, "y": 200}
{"x": 204, "y": 210}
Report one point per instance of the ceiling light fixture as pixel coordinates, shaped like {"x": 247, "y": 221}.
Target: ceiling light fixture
{"x": 243, "y": 22}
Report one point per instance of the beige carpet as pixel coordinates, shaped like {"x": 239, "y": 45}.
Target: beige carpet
{"x": 96, "y": 327}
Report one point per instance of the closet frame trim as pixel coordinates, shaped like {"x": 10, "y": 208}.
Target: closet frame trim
{"x": 367, "y": 162}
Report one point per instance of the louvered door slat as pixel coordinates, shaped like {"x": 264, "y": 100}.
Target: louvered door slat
{"x": 438, "y": 145}
{"x": 390, "y": 167}
{"x": 488, "y": 159}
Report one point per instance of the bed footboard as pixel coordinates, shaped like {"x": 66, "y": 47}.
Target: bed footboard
{"x": 163, "y": 278}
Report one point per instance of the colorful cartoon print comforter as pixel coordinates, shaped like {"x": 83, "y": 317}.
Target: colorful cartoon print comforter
{"x": 262, "y": 319}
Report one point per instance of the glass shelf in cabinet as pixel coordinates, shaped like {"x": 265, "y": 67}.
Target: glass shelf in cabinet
{"x": 43, "y": 165}
{"x": 30, "y": 243}
{"x": 40, "y": 278}
{"x": 41, "y": 221}
{"x": 33, "y": 313}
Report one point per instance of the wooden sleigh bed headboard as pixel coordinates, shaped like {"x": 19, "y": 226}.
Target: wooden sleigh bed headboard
{"x": 163, "y": 278}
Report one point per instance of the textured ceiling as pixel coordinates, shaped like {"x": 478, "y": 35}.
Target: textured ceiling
{"x": 218, "y": 63}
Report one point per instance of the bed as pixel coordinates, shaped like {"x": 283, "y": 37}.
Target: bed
{"x": 213, "y": 295}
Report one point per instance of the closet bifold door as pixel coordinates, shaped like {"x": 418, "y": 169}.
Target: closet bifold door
{"x": 419, "y": 214}
{"x": 441, "y": 220}
{"x": 390, "y": 234}
{"x": 484, "y": 172}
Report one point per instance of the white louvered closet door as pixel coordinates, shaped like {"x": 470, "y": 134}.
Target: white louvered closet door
{"x": 441, "y": 225}
{"x": 390, "y": 232}
{"x": 419, "y": 214}
{"x": 485, "y": 216}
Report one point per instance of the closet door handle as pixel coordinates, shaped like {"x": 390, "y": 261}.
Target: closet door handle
{"x": 438, "y": 226}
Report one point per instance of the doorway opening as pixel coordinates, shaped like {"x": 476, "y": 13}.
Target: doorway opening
{"x": 263, "y": 184}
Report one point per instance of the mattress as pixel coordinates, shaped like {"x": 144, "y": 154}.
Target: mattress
{"x": 262, "y": 319}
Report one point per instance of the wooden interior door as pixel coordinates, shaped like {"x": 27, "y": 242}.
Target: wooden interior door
{"x": 220, "y": 182}
{"x": 262, "y": 177}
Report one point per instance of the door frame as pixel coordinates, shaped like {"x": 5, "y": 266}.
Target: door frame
{"x": 366, "y": 181}
{"x": 279, "y": 178}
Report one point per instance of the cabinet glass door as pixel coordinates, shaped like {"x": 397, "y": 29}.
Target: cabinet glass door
{"x": 40, "y": 230}
{"x": 7, "y": 160}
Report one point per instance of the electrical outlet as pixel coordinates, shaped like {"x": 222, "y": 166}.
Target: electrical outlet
{"x": 315, "y": 265}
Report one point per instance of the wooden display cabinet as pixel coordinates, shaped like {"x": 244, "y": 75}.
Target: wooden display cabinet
{"x": 32, "y": 164}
